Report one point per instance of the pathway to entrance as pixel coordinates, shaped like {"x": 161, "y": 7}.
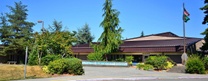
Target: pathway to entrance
{"x": 125, "y": 74}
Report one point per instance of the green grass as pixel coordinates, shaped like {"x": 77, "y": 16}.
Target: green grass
{"x": 14, "y": 72}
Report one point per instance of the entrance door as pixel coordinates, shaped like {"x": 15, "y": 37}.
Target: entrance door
{"x": 137, "y": 58}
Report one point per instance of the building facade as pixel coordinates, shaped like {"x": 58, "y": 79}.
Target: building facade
{"x": 140, "y": 48}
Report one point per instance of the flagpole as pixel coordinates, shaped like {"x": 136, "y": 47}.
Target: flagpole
{"x": 184, "y": 56}
{"x": 184, "y": 33}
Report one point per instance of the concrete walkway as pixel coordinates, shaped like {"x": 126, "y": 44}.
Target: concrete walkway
{"x": 121, "y": 73}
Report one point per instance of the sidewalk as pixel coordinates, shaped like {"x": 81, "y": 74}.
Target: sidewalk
{"x": 118, "y": 73}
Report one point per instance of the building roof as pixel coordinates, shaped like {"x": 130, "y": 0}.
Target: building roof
{"x": 162, "y": 42}
{"x": 159, "y": 43}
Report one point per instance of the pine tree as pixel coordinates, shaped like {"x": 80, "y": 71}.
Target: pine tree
{"x": 110, "y": 39}
{"x": 3, "y": 32}
{"x": 84, "y": 35}
{"x": 205, "y": 21}
{"x": 142, "y": 34}
{"x": 18, "y": 31}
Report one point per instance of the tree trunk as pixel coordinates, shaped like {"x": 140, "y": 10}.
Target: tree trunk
{"x": 39, "y": 57}
{"x": 63, "y": 55}
{"x": 106, "y": 57}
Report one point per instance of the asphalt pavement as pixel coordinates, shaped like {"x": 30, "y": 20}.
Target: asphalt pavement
{"x": 125, "y": 74}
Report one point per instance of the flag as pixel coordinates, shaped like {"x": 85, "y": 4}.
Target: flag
{"x": 185, "y": 15}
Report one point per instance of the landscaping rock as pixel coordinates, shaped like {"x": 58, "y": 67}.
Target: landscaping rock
{"x": 177, "y": 69}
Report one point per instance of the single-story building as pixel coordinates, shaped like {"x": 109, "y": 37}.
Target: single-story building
{"x": 166, "y": 43}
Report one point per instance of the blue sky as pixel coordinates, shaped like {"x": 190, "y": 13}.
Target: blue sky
{"x": 149, "y": 16}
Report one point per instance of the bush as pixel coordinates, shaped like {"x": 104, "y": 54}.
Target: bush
{"x": 205, "y": 60}
{"x": 66, "y": 65}
{"x": 129, "y": 59}
{"x": 59, "y": 66}
{"x": 95, "y": 57}
{"x": 158, "y": 62}
{"x": 119, "y": 60}
{"x": 45, "y": 69}
{"x": 145, "y": 66}
{"x": 195, "y": 65}
{"x": 169, "y": 65}
{"x": 49, "y": 58}
{"x": 33, "y": 58}
{"x": 75, "y": 66}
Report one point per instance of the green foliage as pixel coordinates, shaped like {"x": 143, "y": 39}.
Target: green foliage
{"x": 84, "y": 35}
{"x": 49, "y": 58}
{"x": 205, "y": 9}
{"x": 75, "y": 66}
{"x": 33, "y": 57}
{"x": 144, "y": 66}
{"x": 71, "y": 66}
{"x": 45, "y": 69}
{"x": 120, "y": 59}
{"x": 195, "y": 65}
{"x": 59, "y": 66}
{"x": 169, "y": 65}
{"x": 129, "y": 59}
{"x": 56, "y": 27}
{"x": 110, "y": 38}
{"x": 61, "y": 43}
{"x": 158, "y": 62}
{"x": 142, "y": 34}
{"x": 95, "y": 57}
{"x": 205, "y": 60}
{"x": 15, "y": 31}
{"x": 54, "y": 42}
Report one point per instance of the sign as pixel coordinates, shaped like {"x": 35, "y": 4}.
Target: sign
{"x": 103, "y": 63}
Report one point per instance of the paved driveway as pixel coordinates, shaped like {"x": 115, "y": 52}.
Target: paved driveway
{"x": 125, "y": 74}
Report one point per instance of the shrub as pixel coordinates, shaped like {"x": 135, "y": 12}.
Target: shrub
{"x": 33, "y": 58}
{"x": 206, "y": 62}
{"x": 45, "y": 69}
{"x": 75, "y": 66}
{"x": 145, "y": 66}
{"x": 195, "y": 65}
{"x": 140, "y": 65}
{"x": 169, "y": 65}
{"x": 158, "y": 62}
{"x": 66, "y": 65}
{"x": 120, "y": 60}
{"x": 95, "y": 57}
{"x": 59, "y": 66}
{"x": 129, "y": 59}
{"x": 49, "y": 58}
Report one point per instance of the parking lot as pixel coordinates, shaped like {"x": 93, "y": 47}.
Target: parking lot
{"x": 125, "y": 74}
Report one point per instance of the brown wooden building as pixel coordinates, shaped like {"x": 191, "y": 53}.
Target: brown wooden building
{"x": 141, "y": 47}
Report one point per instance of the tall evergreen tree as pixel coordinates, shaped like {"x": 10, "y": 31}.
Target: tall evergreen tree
{"x": 205, "y": 21}
{"x": 110, "y": 39}
{"x": 56, "y": 27}
{"x": 84, "y": 35}
{"x": 18, "y": 31}
{"x": 142, "y": 34}
{"x": 3, "y": 31}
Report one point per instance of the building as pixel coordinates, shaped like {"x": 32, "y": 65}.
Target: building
{"x": 166, "y": 43}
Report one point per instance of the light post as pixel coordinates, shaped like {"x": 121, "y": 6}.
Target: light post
{"x": 40, "y": 21}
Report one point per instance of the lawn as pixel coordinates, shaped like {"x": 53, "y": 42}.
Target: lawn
{"x": 13, "y": 72}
